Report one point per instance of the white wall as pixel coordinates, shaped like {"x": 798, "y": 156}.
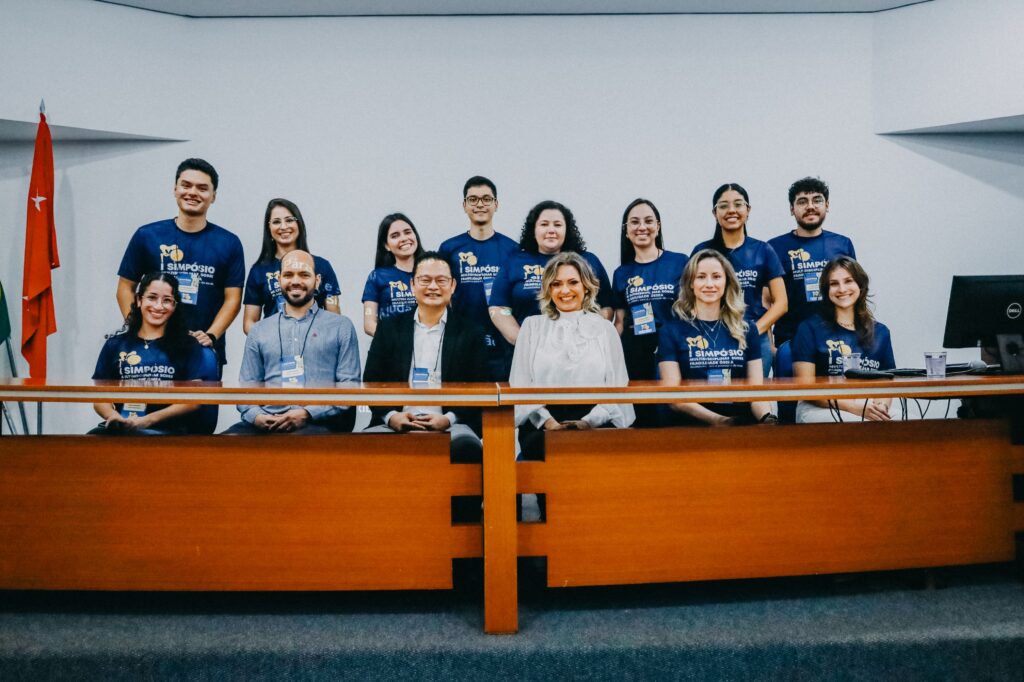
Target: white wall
{"x": 355, "y": 118}
{"x": 948, "y": 61}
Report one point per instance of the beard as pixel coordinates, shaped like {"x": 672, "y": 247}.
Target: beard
{"x": 812, "y": 226}
{"x": 306, "y": 297}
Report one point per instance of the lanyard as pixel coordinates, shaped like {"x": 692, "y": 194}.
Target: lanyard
{"x": 280, "y": 340}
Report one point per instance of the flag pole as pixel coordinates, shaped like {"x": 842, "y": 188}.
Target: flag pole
{"x": 14, "y": 373}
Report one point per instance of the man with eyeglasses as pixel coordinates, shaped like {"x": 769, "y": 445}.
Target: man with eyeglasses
{"x": 206, "y": 259}
{"x": 804, "y": 252}
{"x": 300, "y": 346}
{"x": 425, "y": 347}
{"x": 475, "y": 258}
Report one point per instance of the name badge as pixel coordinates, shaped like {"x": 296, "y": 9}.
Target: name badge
{"x": 293, "y": 371}
{"x": 488, "y": 286}
{"x": 129, "y": 410}
{"x": 279, "y": 298}
{"x": 423, "y": 377}
{"x": 188, "y": 287}
{"x": 643, "y": 319}
{"x": 721, "y": 375}
{"x": 811, "y": 290}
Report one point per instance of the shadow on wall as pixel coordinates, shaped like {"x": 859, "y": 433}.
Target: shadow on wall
{"x": 997, "y": 159}
{"x": 16, "y": 157}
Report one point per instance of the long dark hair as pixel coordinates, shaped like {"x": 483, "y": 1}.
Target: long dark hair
{"x": 176, "y": 339}
{"x": 528, "y": 237}
{"x": 384, "y": 257}
{"x": 627, "y": 252}
{"x": 269, "y": 252}
{"x": 863, "y": 318}
{"x": 718, "y": 242}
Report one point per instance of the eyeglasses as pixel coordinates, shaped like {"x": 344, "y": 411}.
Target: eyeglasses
{"x": 155, "y": 300}
{"x": 736, "y": 205}
{"x": 426, "y": 280}
{"x": 289, "y": 221}
{"x": 802, "y": 202}
{"x": 480, "y": 201}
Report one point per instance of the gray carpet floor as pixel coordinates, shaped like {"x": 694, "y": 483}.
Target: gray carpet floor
{"x": 951, "y": 624}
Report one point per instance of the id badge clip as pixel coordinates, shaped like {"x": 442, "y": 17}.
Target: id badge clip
{"x": 643, "y": 319}
{"x": 811, "y": 290}
{"x": 293, "y": 371}
{"x": 720, "y": 375}
{"x": 488, "y": 287}
{"x": 423, "y": 378}
{"x": 129, "y": 410}
{"x": 188, "y": 287}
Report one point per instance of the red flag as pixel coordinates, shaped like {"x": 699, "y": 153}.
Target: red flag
{"x": 37, "y": 318}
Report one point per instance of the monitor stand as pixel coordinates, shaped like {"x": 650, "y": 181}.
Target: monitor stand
{"x": 1011, "y": 353}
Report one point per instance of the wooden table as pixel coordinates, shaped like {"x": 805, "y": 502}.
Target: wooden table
{"x": 624, "y": 506}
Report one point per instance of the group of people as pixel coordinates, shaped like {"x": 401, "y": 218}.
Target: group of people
{"x": 482, "y": 307}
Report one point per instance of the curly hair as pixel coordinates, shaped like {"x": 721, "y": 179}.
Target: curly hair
{"x": 176, "y": 339}
{"x": 528, "y": 237}
{"x": 731, "y": 305}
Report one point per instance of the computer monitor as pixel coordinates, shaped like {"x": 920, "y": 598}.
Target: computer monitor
{"x": 988, "y": 311}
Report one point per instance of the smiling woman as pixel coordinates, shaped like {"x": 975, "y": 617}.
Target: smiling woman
{"x": 710, "y": 340}
{"x": 154, "y": 344}
{"x": 825, "y": 343}
{"x": 570, "y": 344}
{"x": 284, "y": 230}
{"x": 388, "y": 289}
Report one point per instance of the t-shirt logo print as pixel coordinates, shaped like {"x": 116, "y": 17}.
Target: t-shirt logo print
{"x": 636, "y": 281}
{"x": 130, "y": 357}
{"x": 837, "y": 348}
{"x": 798, "y": 256}
{"x": 532, "y": 271}
{"x": 467, "y": 258}
{"x": 698, "y": 342}
{"x": 170, "y": 251}
{"x": 398, "y": 286}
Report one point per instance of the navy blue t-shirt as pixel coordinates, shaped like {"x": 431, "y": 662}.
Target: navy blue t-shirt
{"x": 824, "y": 343}
{"x": 205, "y": 262}
{"x": 518, "y": 283}
{"x": 756, "y": 264}
{"x": 391, "y": 289}
{"x": 475, "y": 265}
{"x": 803, "y": 259}
{"x": 704, "y": 349}
{"x": 263, "y": 286}
{"x": 126, "y": 358}
{"x": 655, "y": 283}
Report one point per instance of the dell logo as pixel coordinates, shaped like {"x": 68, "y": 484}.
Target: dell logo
{"x": 1013, "y": 311}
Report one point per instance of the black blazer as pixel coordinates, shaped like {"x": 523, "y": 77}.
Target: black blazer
{"x": 463, "y": 358}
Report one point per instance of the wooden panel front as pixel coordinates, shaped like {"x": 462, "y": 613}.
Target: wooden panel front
{"x": 346, "y": 512}
{"x": 643, "y": 506}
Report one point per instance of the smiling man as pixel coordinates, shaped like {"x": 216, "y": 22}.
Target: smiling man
{"x": 804, "y": 253}
{"x": 425, "y": 347}
{"x": 475, "y": 258}
{"x": 300, "y": 346}
{"x": 206, "y": 259}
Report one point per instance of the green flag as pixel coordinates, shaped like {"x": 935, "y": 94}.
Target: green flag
{"x": 5, "y": 319}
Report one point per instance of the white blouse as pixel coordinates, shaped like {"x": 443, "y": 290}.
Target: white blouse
{"x": 579, "y": 349}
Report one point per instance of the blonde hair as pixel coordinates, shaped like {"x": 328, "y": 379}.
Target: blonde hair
{"x": 590, "y": 283}
{"x": 732, "y": 306}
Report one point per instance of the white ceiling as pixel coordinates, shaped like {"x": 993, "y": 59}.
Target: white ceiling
{"x": 309, "y": 8}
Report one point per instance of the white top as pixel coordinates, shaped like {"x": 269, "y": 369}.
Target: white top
{"x": 579, "y": 350}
